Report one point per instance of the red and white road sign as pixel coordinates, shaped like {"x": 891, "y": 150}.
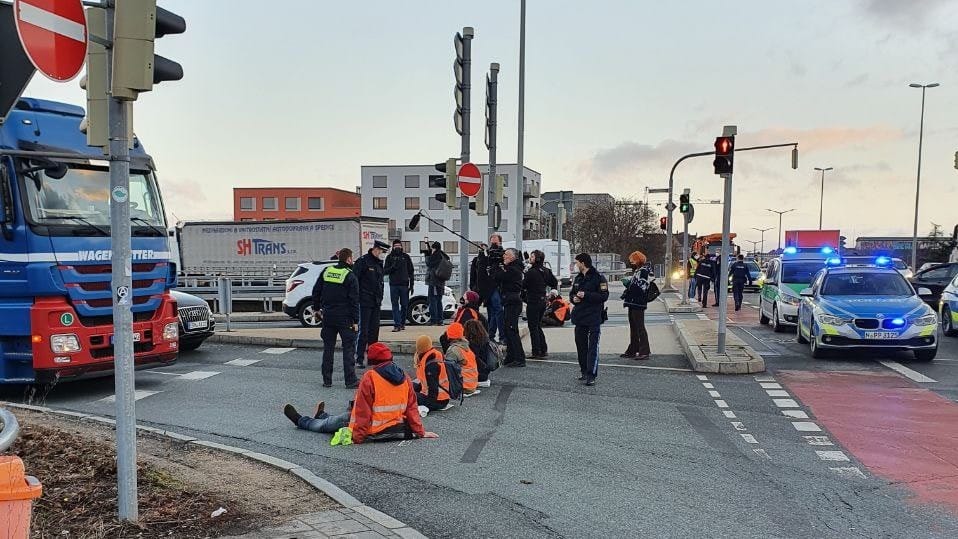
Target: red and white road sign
{"x": 53, "y": 34}
{"x": 470, "y": 179}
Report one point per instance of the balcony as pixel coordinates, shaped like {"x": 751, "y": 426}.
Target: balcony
{"x": 531, "y": 190}
{"x": 530, "y": 212}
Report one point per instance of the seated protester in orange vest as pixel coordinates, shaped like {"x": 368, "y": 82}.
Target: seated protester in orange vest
{"x": 431, "y": 377}
{"x": 557, "y": 312}
{"x": 384, "y": 407}
{"x": 460, "y": 353}
{"x": 468, "y": 310}
{"x": 478, "y": 338}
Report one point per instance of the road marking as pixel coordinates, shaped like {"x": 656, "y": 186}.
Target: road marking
{"x": 198, "y": 375}
{"x": 818, "y": 440}
{"x": 908, "y": 373}
{"x": 701, "y": 377}
{"x": 777, "y": 393}
{"x": 797, "y": 414}
{"x": 770, "y": 385}
{"x": 749, "y": 438}
{"x": 721, "y": 404}
{"x": 738, "y": 425}
{"x": 806, "y": 426}
{"x": 242, "y": 362}
{"x": 836, "y": 456}
{"x": 729, "y": 414}
{"x": 850, "y": 472}
{"x": 707, "y": 385}
{"x": 611, "y": 365}
{"x": 277, "y": 351}
{"x": 714, "y": 394}
{"x": 137, "y": 395}
{"x": 764, "y": 378}
{"x": 762, "y": 453}
{"x": 702, "y": 316}
{"x": 754, "y": 307}
{"x": 785, "y": 403}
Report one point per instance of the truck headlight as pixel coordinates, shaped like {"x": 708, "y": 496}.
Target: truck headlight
{"x": 927, "y": 320}
{"x": 831, "y": 320}
{"x": 790, "y": 300}
{"x": 64, "y": 343}
{"x": 171, "y": 332}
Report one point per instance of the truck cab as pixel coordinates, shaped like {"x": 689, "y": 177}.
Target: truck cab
{"x": 56, "y": 301}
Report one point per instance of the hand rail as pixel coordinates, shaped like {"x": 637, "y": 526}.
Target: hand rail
{"x": 11, "y": 429}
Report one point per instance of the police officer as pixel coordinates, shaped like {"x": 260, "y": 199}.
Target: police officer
{"x": 740, "y": 275}
{"x": 703, "y": 278}
{"x": 369, "y": 270}
{"x": 589, "y": 293}
{"x": 336, "y": 297}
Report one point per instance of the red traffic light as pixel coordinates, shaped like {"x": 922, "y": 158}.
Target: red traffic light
{"x": 664, "y": 223}
{"x": 724, "y": 145}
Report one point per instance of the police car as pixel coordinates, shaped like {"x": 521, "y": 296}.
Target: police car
{"x": 866, "y": 306}
{"x": 948, "y": 309}
{"x": 785, "y": 277}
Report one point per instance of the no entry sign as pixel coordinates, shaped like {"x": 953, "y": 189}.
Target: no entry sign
{"x": 53, "y": 34}
{"x": 470, "y": 179}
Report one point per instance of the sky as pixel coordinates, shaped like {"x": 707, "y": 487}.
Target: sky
{"x": 303, "y": 93}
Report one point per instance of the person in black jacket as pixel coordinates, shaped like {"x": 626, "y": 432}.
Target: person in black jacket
{"x": 336, "y": 298}
{"x": 740, "y": 275}
{"x": 509, "y": 279}
{"x": 369, "y": 270}
{"x": 634, "y": 298}
{"x": 703, "y": 278}
{"x": 437, "y": 287}
{"x": 589, "y": 293}
{"x": 535, "y": 284}
{"x": 401, "y": 272}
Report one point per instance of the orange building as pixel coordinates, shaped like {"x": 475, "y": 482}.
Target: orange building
{"x": 291, "y": 203}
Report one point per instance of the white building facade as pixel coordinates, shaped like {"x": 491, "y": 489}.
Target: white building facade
{"x": 398, "y": 192}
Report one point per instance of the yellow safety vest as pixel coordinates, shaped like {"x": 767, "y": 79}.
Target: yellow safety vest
{"x": 693, "y": 264}
{"x": 335, "y": 275}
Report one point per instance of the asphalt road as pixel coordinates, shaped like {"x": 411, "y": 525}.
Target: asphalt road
{"x": 648, "y": 452}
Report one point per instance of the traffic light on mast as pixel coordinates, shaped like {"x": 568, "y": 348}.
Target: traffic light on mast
{"x": 664, "y": 223}
{"x": 449, "y": 182}
{"x": 683, "y": 203}
{"x": 724, "y": 155}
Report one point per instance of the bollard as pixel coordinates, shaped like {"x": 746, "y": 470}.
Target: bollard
{"x": 225, "y": 296}
{"x": 17, "y": 492}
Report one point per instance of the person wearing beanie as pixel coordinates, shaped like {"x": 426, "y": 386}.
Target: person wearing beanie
{"x": 432, "y": 380}
{"x": 635, "y": 300}
{"x": 401, "y": 271}
{"x": 460, "y": 353}
{"x": 468, "y": 310}
{"x": 437, "y": 286}
{"x": 537, "y": 281}
{"x": 589, "y": 293}
{"x": 384, "y": 407}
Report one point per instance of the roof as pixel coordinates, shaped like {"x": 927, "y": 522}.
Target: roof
{"x": 295, "y": 187}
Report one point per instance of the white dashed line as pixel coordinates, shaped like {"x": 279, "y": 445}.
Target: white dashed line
{"x": 764, "y": 378}
{"x": 832, "y": 456}
{"x": 242, "y": 362}
{"x": 908, "y": 373}
{"x": 818, "y": 440}
{"x": 797, "y": 414}
{"x": 770, "y": 385}
{"x": 277, "y": 351}
{"x": 785, "y": 403}
{"x": 703, "y": 316}
{"x": 806, "y": 426}
{"x": 701, "y": 377}
{"x": 777, "y": 393}
{"x": 707, "y": 385}
{"x": 721, "y": 404}
{"x": 851, "y": 472}
{"x": 762, "y": 453}
{"x": 738, "y": 425}
{"x": 749, "y": 438}
{"x": 137, "y": 395}
{"x": 198, "y": 375}
{"x": 715, "y": 394}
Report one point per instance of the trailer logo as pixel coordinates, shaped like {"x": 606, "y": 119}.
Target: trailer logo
{"x": 107, "y": 255}
{"x": 254, "y": 246}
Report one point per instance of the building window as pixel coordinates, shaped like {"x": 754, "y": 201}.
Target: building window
{"x": 435, "y": 204}
{"x": 473, "y": 250}
{"x": 379, "y": 182}
{"x": 456, "y": 225}
{"x": 379, "y": 203}
{"x": 406, "y": 246}
{"x": 504, "y": 226}
{"x": 435, "y": 227}
{"x": 392, "y": 224}
{"x": 292, "y": 203}
{"x": 505, "y": 180}
{"x": 247, "y": 204}
{"x": 412, "y": 203}
{"x": 246, "y": 219}
{"x": 412, "y": 182}
{"x": 315, "y": 203}
{"x": 270, "y": 204}
{"x": 451, "y": 247}
{"x": 407, "y": 224}
{"x": 505, "y": 203}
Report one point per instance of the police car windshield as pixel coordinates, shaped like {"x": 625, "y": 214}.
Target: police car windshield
{"x": 800, "y": 272}
{"x": 866, "y": 284}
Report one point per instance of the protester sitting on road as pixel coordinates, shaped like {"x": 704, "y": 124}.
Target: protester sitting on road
{"x": 475, "y": 332}
{"x": 557, "y": 312}
{"x": 460, "y": 352}
{"x": 432, "y": 381}
{"x": 384, "y": 408}
{"x": 468, "y": 310}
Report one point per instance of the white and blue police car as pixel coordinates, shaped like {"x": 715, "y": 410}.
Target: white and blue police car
{"x": 867, "y": 306}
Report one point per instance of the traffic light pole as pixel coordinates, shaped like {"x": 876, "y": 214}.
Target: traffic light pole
{"x": 467, "y": 36}
{"x": 492, "y": 102}
{"x": 721, "y": 282}
{"x": 122, "y": 287}
{"x": 685, "y": 255}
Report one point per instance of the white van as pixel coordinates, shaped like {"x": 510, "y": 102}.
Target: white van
{"x": 563, "y": 269}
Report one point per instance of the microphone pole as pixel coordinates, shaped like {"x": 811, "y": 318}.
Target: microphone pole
{"x": 414, "y": 223}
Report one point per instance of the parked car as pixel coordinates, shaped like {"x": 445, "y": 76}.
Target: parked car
{"x": 756, "y": 272}
{"x": 928, "y": 265}
{"x": 299, "y": 289}
{"x": 935, "y": 279}
{"x": 948, "y": 309}
{"x": 196, "y": 320}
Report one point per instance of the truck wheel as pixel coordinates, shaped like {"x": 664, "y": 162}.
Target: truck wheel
{"x": 418, "y": 312}
{"x": 308, "y": 316}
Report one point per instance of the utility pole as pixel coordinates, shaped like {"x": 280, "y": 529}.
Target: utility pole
{"x": 780, "y": 214}
{"x": 464, "y": 59}
{"x": 821, "y": 203}
{"x": 520, "y": 167}
{"x": 492, "y": 114}
{"x": 724, "y": 158}
{"x": 688, "y": 213}
{"x": 763, "y": 231}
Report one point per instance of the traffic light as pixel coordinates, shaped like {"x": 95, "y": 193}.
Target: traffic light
{"x": 841, "y": 244}
{"x": 461, "y": 69}
{"x": 136, "y": 24}
{"x": 492, "y": 83}
{"x": 498, "y": 189}
{"x": 664, "y": 223}
{"x": 683, "y": 203}
{"x": 480, "y": 205}
{"x": 956, "y": 160}
{"x": 96, "y": 123}
{"x": 449, "y": 182}
{"x": 724, "y": 154}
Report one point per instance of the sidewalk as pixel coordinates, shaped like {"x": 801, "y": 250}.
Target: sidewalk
{"x": 698, "y": 339}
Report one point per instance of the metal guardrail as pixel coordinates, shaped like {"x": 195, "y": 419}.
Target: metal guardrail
{"x": 10, "y": 431}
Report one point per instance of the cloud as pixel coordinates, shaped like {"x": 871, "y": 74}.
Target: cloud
{"x": 824, "y": 138}
{"x": 186, "y": 199}
{"x": 857, "y": 81}
{"x": 904, "y": 13}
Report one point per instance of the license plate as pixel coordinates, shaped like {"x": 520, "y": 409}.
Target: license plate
{"x": 881, "y": 335}
{"x": 198, "y": 324}
{"x": 136, "y": 338}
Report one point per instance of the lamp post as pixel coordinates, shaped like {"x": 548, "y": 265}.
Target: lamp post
{"x": 520, "y": 167}
{"x": 780, "y": 214}
{"x": 763, "y": 230}
{"x": 921, "y": 133}
{"x": 821, "y": 203}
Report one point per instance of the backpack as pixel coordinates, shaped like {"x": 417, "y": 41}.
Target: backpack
{"x": 494, "y": 355}
{"x": 444, "y": 270}
{"x": 454, "y": 374}
{"x": 652, "y": 292}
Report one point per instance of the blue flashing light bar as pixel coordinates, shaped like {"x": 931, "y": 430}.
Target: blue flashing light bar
{"x": 882, "y": 261}
{"x": 898, "y": 322}
{"x": 833, "y": 262}
{"x": 790, "y": 250}
{"x": 827, "y": 250}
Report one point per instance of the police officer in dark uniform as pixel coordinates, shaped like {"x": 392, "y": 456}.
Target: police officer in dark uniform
{"x": 589, "y": 293}
{"x": 336, "y": 297}
{"x": 369, "y": 270}
{"x": 740, "y": 275}
{"x": 703, "y": 278}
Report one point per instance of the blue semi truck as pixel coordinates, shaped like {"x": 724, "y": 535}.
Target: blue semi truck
{"x": 56, "y": 302}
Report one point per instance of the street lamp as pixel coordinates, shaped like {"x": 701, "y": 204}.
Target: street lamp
{"x": 780, "y": 214}
{"x": 921, "y": 133}
{"x": 821, "y": 204}
{"x": 763, "y": 230}
{"x": 754, "y": 245}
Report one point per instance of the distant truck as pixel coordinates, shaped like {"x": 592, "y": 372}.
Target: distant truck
{"x": 269, "y": 247}
{"x": 813, "y": 238}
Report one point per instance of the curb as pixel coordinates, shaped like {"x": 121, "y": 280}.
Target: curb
{"x": 240, "y": 317}
{"x": 337, "y": 494}
{"x": 747, "y": 361}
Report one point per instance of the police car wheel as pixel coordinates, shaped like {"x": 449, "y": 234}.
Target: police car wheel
{"x": 777, "y": 326}
{"x": 309, "y": 317}
{"x": 798, "y": 331}
{"x": 926, "y": 355}
{"x": 947, "y": 324}
{"x": 418, "y": 312}
{"x": 813, "y": 347}
{"x": 762, "y": 319}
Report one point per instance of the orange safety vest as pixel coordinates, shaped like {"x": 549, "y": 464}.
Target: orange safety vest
{"x": 562, "y": 311}
{"x": 462, "y": 311}
{"x": 433, "y": 355}
{"x": 389, "y": 404}
{"x": 470, "y": 371}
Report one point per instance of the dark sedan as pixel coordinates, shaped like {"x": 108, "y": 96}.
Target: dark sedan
{"x": 196, "y": 320}
{"x": 935, "y": 279}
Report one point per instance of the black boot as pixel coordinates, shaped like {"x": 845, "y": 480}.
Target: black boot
{"x": 291, "y": 414}
{"x": 320, "y": 408}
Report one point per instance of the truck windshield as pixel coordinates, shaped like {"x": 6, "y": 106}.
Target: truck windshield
{"x": 82, "y": 198}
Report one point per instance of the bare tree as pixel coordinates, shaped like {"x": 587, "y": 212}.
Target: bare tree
{"x": 621, "y": 227}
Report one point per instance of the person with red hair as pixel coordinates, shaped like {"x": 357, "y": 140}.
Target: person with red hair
{"x": 635, "y": 300}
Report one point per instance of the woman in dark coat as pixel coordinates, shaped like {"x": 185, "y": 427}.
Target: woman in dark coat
{"x": 634, "y": 299}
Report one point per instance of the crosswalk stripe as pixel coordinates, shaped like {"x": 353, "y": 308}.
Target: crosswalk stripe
{"x": 242, "y": 362}
{"x": 277, "y": 351}
{"x": 198, "y": 375}
{"x": 137, "y": 395}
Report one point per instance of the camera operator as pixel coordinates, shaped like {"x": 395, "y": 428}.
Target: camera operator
{"x": 493, "y": 258}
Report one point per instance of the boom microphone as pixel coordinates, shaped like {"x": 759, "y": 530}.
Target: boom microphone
{"x": 414, "y": 222}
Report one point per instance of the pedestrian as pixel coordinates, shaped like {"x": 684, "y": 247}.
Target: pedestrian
{"x": 369, "y": 270}
{"x": 635, "y": 300}
{"x": 460, "y": 352}
{"x": 557, "y": 312}
{"x": 477, "y": 335}
{"x": 437, "y": 285}
{"x": 401, "y": 274}
{"x": 432, "y": 381}
{"x": 703, "y": 278}
{"x": 509, "y": 280}
{"x": 336, "y": 298}
{"x": 589, "y": 293}
{"x": 494, "y": 310}
{"x": 740, "y": 275}
{"x": 536, "y": 283}
{"x": 717, "y": 277}
{"x": 468, "y": 310}
{"x": 690, "y": 271}
{"x": 384, "y": 407}
{"x": 480, "y": 281}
